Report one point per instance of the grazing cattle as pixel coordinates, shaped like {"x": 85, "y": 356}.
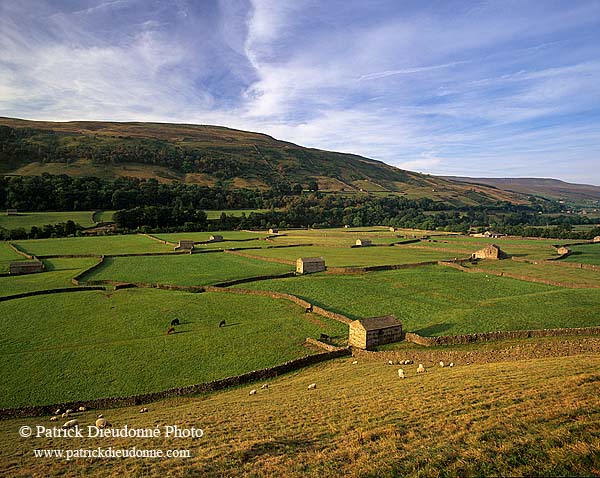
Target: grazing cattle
{"x": 324, "y": 337}
{"x": 171, "y": 330}
{"x": 222, "y": 323}
{"x": 175, "y": 322}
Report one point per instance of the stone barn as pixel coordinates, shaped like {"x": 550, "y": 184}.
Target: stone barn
{"x": 489, "y": 252}
{"x": 308, "y": 265}
{"x": 372, "y": 331}
{"x": 364, "y": 242}
{"x": 216, "y": 238}
{"x": 26, "y": 267}
{"x": 393, "y": 229}
{"x": 11, "y": 212}
{"x": 273, "y": 230}
{"x": 563, "y": 251}
{"x": 185, "y": 245}
{"x": 596, "y": 239}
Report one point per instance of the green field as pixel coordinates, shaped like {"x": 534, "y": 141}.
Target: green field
{"x": 185, "y": 269}
{"x": 94, "y": 344}
{"x": 7, "y": 255}
{"x": 100, "y": 245}
{"x": 58, "y": 274}
{"x": 360, "y": 256}
{"x": 205, "y": 236}
{"x": 585, "y": 254}
{"x": 103, "y": 216}
{"x": 435, "y": 300}
{"x": 28, "y": 219}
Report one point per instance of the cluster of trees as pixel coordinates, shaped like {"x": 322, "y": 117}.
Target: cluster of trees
{"x": 63, "y": 229}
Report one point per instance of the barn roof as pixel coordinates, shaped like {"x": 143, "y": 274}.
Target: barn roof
{"x": 311, "y": 259}
{"x": 375, "y": 323}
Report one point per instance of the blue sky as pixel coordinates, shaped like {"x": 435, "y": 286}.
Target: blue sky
{"x": 477, "y": 88}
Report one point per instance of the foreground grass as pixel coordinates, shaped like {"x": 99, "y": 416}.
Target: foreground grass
{"x": 58, "y": 274}
{"x": 100, "y": 245}
{"x": 435, "y": 300}
{"x": 94, "y": 344}
{"x": 185, "y": 269}
{"x": 28, "y": 219}
{"x": 532, "y": 418}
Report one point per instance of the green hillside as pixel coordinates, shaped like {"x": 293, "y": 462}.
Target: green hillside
{"x": 202, "y": 154}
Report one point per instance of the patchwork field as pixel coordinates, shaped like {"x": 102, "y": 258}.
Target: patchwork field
{"x": 585, "y": 254}
{"x": 99, "y": 344}
{"x": 185, "y": 269}
{"x": 28, "y": 219}
{"x": 100, "y": 245}
{"x": 526, "y": 418}
{"x": 204, "y": 236}
{"x": 436, "y": 300}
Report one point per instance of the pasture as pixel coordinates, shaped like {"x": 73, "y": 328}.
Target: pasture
{"x": 585, "y": 254}
{"x": 26, "y": 220}
{"x": 97, "y": 344}
{"x": 436, "y": 300}
{"x": 204, "y": 236}
{"x": 99, "y": 245}
{"x": 185, "y": 269}
{"x": 8, "y": 255}
{"x": 536, "y": 417}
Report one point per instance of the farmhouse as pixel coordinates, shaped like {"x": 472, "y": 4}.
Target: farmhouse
{"x": 372, "y": 331}
{"x": 216, "y": 238}
{"x": 363, "y": 242}
{"x": 489, "y": 252}
{"x": 273, "y": 230}
{"x": 26, "y": 267}
{"x": 491, "y": 234}
{"x": 11, "y": 212}
{"x": 563, "y": 251}
{"x": 308, "y": 265}
{"x": 185, "y": 245}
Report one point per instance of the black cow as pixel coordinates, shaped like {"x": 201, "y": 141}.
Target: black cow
{"x": 222, "y": 323}
{"x": 175, "y": 322}
{"x": 324, "y": 337}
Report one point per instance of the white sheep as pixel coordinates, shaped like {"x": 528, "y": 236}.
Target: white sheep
{"x": 264, "y": 385}
{"x": 54, "y": 418}
{"x": 71, "y": 423}
{"x": 69, "y": 411}
{"x": 312, "y": 386}
{"x": 143, "y": 410}
{"x": 58, "y": 411}
{"x": 65, "y": 414}
{"x": 401, "y": 373}
{"x": 355, "y": 362}
{"x": 390, "y": 362}
{"x": 103, "y": 423}
{"x": 100, "y": 416}
{"x": 81, "y": 409}
{"x": 420, "y": 368}
{"x": 252, "y": 392}
{"x": 408, "y": 362}
{"x": 441, "y": 364}
{"x": 451, "y": 364}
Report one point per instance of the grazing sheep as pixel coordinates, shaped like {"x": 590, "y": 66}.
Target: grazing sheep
{"x": 252, "y": 392}
{"x": 65, "y": 415}
{"x": 54, "y": 418}
{"x": 103, "y": 423}
{"x": 170, "y": 330}
{"x": 441, "y": 364}
{"x": 401, "y": 373}
{"x": 100, "y": 416}
{"x": 312, "y": 386}
{"x": 390, "y": 362}
{"x": 222, "y": 323}
{"x": 175, "y": 322}
{"x": 355, "y": 362}
{"x": 69, "y": 410}
{"x": 143, "y": 410}
{"x": 58, "y": 411}
{"x": 408, "y": 362}
{"x": 81, "y": 409}
{"x": 451, "y": 364}
{"x": 71, "y": 424}
{"x": 264, "y": 385}
{"x": 420, "y": 368}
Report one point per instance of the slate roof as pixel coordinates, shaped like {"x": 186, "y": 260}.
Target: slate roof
{"x": 376, "y": 323}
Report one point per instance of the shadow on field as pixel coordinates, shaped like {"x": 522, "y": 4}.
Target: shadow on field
{"x": 274, "y": 448}
{"x": 230, "y": 325}
{"x": 434, "y": 329}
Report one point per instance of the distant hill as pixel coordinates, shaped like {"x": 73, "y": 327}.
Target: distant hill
{"x": 203, "y": 154}
{"x": 548, "y": 188}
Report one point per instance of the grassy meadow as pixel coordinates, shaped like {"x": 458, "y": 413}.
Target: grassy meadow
{"x": 97, "y": 344}
{"x": 537, "y": 417}
{"x": 436, "y": 300}
{"x": 99, "y": 245}
{"x": 585, "y": 254}
{"x": 28, "y": 219}
{"x": 185, "y": 269}
{"x": 8, "y": 255}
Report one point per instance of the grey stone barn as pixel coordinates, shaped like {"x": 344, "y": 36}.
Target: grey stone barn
{"x": 26, "y": 267}
{"x": 11, "y": 212}
{"x": 216, "y": 238}
{"x": 273, "y": 230}
{"x": 372, "y": 331}
{"x": 308, "y": 265}
{"x": 490, "y": 252}
{"x": 364, "y": 242}
{"x": 185, "y": 245}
